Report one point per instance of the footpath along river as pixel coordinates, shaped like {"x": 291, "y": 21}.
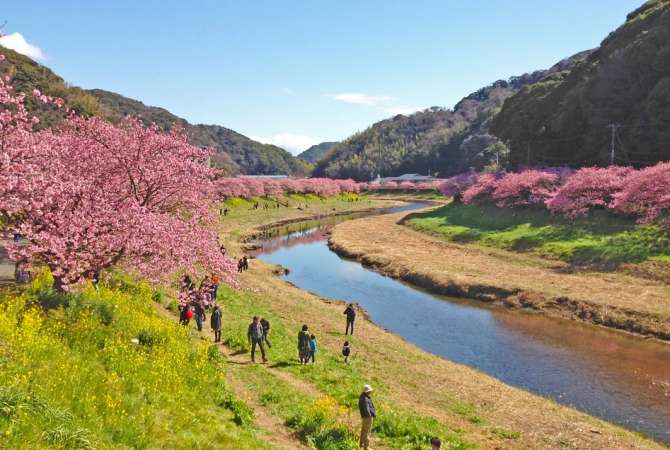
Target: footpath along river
{"x": 618, "y": 377}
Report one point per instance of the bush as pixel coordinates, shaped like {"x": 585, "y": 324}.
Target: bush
{"x": 589, "y": 188}
{"x": 646, "y": 194}
{"x": 522, "y": 189}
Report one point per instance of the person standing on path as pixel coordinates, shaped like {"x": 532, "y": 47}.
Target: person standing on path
{"x": 351, "y": 317}
{"x": 199, "y": 313}
{"x": 266, "y": 331}
{"x": 215, "y": 322}
{"x": 255, "y": 336}
{"x": 312, "y": 347}
{"x": 368, "y": 414}
{"x": 303, "y": 345}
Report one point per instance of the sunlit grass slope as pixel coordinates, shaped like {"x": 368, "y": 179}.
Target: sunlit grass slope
{"x": 597, "y": 239}
{"x": 71, "y": 376}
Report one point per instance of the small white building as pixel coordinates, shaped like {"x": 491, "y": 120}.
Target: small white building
{"x": 412, "y": 177}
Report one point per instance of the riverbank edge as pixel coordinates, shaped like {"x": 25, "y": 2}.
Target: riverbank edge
{"x": 637, "y": 323}
{"x": 246, "y": 241}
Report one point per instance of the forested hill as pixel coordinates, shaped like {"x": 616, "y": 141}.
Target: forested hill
{"x": 626, "y": 81}
{"x": 434, "y": 141}
{"x": 313, "y": 154}
{"x": 234, "y": 152}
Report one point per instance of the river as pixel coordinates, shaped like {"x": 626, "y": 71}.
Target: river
{"x": 612, "y": 375}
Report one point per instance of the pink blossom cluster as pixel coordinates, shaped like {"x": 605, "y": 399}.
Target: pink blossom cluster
{"x": 89, "y": 195}
{"x": 641, "y": 193}
{"x": 268, "y": 187}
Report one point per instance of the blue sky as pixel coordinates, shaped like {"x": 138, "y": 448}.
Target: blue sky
{"x": 301, "y": 72}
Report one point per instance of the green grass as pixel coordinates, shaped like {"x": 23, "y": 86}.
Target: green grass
{"x": 599, "y": 239}
{"x": 72, "y": 378}
{"x": 324, "y": 421}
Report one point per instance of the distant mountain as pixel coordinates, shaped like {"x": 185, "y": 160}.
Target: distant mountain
{"x": 434, "y": 141}
{"x": 565, "y": 119}
{"x": 313, "y": 154}
{"x": 234, "y": 152}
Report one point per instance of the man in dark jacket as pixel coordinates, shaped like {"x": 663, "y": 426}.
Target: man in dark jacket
{"x": 368, "y": 414}
{"x": 351, "y": 316}
{"x": 215, "y": 322}
{"x": 255, "y": 336}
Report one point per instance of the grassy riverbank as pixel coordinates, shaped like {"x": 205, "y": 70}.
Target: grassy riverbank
{"x": 419, "y": 394}
{"x": 598, "y": 240}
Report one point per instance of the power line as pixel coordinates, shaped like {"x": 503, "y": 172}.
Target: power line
{"x": 613, "y": 127}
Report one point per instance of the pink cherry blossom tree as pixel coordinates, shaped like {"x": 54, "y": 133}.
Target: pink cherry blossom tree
{"x": 646, "y": 194}
{"x": 90, "y": 195}
{"x": 588, "y": 188}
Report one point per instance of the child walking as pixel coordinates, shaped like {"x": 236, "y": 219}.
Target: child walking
{"x": 312, "y": 347}
{"x": 346, "y": 351}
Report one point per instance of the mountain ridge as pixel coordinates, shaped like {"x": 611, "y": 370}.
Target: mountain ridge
{"x": 234, "y": 152}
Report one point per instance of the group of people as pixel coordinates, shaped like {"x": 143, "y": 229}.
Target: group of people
{"x": 194, "y": 302}
{"x": 243, "y": 264}
{"x": 258, "y": 334}
{"x": 197, "y": 301}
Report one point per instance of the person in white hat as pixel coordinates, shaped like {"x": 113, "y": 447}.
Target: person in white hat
{"x": 368, "y": 414}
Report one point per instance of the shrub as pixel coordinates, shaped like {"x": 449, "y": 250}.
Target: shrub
{"x": 482, "y": 190}
{"x": 530, "y": 187}
{"x": 646, "y": 194}
{"x": 589, "y": 188}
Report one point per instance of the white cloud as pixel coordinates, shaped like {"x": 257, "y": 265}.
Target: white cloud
{"x": 402, "y": 109}
{"x": 294, "y": 143}
{"x": 358, "y": 98}
{"x": 17, "y": 42}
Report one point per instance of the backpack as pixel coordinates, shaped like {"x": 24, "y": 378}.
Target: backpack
{"x": 189, "y": 313}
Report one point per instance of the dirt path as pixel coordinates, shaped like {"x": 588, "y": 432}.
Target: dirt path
{"x": 269, "y": 427}
{"x": 518, "y": 280}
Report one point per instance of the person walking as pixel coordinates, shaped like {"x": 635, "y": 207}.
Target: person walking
{"x": 199, "y": 313}
{"x": 266, "y": 331}
{"x": 215, "y": 323}
{"x": 368, "y": 414}
{"x": 303, "y": 345}
{"x": 255, "y": 337}
{"x": 346, "y": 351}
{"x": 185, "y": 315}
{"x": 350, "y": 312}
{"x": 215, "y": 280}
{"x": 312, "y": 347}
{"x": 245, "y": 263}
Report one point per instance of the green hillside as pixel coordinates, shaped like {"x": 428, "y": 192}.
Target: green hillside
{"x": 626, "y": 81}
{"x": 313, "y": 154}
{"x": 437, "y": 140}
{"x": 234, "y": 152}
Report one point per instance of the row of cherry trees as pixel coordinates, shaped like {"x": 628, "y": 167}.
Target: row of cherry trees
{"x": 640, "y": 193}
{"x": 89, "y": 195}
{"x": 324, "y": 187}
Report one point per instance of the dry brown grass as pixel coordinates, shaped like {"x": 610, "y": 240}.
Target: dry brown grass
{"x": 424, "y": 383}
{"x": 613, "y": 299}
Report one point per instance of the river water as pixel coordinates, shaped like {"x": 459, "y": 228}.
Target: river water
{"x": 621, "y": 378}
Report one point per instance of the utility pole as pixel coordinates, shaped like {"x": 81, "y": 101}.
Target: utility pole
{"x": 614, "y": 127}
